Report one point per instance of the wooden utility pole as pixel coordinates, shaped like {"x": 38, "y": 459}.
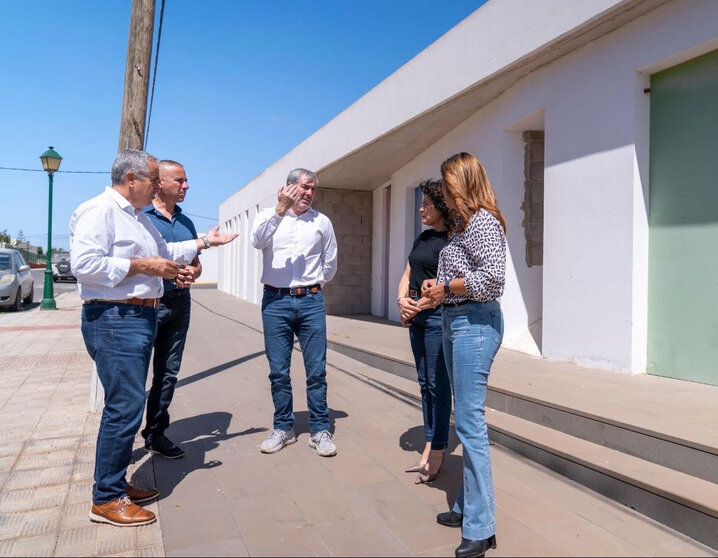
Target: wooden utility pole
{"x": 137, "y": 75}
{"x": 134, "y": 113}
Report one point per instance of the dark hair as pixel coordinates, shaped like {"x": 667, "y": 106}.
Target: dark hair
{"x": 432, "y": 189}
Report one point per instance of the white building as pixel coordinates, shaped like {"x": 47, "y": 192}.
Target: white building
{"x": 569, "y": 104}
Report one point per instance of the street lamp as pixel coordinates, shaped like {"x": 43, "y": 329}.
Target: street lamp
{"x": 50, "y": 162}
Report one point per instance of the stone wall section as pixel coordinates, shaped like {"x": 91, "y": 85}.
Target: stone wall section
{"x": 351, "y": 214}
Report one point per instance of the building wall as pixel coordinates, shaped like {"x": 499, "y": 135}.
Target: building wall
{"x": 590, "y": 295}
{"x": 240, "y": 265}
{"x": 351, "y": 215}
{"x": 592, "y": 289}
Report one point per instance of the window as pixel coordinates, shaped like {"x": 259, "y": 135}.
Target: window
{"x": 19, "y": 261}
{"x": 533, "y": 196}
{"x": 418, "y": 225}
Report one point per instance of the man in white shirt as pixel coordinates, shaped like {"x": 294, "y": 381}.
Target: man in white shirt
{"x": 120, "y": 259}
{"x": 299, "y": 252}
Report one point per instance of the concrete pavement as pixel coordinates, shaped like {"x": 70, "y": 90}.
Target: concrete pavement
{"x": 226, "y": 498}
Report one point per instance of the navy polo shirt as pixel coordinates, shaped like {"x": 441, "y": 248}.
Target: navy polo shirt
{"x": 178, "y": 229}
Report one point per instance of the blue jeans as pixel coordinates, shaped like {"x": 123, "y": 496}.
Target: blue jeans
{"x": 283, "y": 316}
{"x": 472, "y": 336}
{"x": 425, "y": 335}
{"x": 173, "y": 316}
{"x": 119, "y": 339}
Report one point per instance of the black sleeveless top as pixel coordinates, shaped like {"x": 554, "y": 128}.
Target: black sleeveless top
{"x": 424, "y": 256}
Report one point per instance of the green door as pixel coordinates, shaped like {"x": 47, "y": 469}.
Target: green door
{"x": 683, "y": 222}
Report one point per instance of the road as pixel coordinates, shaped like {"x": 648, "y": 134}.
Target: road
{"x": 39, "y": 276}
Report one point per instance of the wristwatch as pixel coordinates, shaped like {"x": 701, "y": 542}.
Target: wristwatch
{"x": 206, "y": 241}
{"x": 447, "y": 286}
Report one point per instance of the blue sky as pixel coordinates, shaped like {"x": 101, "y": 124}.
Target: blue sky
{"x": 239, "y": 84}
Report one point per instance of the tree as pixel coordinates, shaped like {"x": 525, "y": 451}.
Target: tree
{"x": 4, "y": 236}
{"x": 21, "y": 236}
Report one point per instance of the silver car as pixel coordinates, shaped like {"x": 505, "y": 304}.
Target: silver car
{"x": 16, "y": 282}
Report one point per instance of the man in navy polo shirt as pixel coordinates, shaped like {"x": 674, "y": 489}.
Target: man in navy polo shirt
{"x": 173, "y": 313}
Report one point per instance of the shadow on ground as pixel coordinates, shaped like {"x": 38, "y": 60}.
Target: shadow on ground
{"x": 412, "y": 441}
{"x": 216, "y": 369}
{"x": 196, "y": 436}
{"x": 301, "y": 420}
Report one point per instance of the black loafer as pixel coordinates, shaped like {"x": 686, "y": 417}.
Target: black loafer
{"x": 474, "y": 549}
{"x": 449, "y": 519}
{"x": 163, "y": 446}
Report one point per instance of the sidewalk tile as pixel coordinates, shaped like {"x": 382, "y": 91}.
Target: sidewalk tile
{"x": 153, "y": 550}
{"x": 10, "y": 450}
{"x": 321, "y": 507}
{"x": 149, "y": 535}
{"x": 81, "y": 541}
{"x": 686, "y": 548}
{"x": 365, "y": 537}
{"x": 230, "y": 547}
{"x": 42, "y": 545}
{"x": 116, "y": 540}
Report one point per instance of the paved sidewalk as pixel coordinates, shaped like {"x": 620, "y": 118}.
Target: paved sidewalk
{"x": 226, "y": 498}
{"x": 47, "y": 443}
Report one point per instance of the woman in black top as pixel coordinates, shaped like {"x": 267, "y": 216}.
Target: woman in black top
{"x": 425, "y": 334}
{"x": 469, "y": 281}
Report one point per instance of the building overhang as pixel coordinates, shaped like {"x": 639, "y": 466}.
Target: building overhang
{"x": 472, "y": 64}
{"x": 372, "y": 164}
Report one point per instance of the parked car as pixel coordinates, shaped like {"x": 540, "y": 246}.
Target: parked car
{"x": 61, "y": 267}
{"x": 16, "y": 282}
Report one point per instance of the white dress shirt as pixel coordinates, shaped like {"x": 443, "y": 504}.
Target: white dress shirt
{"x": 297, "y": 250}
{"x": 107, "y": 232}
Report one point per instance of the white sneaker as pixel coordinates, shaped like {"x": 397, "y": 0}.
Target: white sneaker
{"x": 277, "y": 440}
{"x": 323, "y": 443}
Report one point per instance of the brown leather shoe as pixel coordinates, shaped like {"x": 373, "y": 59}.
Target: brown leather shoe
{"x": 140, "y": 495}
{"x": 121, "y": 513}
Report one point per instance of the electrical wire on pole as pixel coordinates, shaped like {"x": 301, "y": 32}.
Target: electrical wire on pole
{"x": 154, "y": 71}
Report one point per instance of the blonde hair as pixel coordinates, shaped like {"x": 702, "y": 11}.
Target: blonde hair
{"x": 467, "y": 182}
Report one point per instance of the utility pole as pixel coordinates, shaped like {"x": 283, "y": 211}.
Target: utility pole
{"x": 134, "y": 113}
{"x": 137, "y": 75}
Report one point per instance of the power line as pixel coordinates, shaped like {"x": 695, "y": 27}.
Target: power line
{"x": 200, "y": 216}
{"x": 154, "y": 71}
{"x": 65, "y": 171}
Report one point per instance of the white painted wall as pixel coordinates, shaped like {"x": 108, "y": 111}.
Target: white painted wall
{"x": 210, "y": 265}
{"x": 594, "y": 282}
{"x": 592, "y": 288}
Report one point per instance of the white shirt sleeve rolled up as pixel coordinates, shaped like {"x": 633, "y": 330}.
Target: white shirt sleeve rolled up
{"x": 106, "y": 233}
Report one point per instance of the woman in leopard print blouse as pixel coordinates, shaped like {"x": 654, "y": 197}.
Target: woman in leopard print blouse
{"x": 469, "y": 280}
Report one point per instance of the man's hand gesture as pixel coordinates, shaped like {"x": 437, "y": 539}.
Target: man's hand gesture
{"x": 286, "y": 196}
{"x": 217, "y": 239}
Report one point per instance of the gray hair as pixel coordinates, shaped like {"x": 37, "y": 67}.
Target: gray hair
{"x": 297, "y": 174}
{"x": 131, "y": 160}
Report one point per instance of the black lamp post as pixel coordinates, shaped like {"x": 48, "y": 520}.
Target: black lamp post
{"x": 50, "y": 162}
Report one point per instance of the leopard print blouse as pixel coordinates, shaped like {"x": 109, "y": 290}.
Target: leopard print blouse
{"x": 479, "y": 256}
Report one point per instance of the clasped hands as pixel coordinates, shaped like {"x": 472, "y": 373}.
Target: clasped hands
{"x": 431, "y": 296}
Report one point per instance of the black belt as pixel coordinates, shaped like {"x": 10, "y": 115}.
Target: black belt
{"x": 466, "y": 301}
{"x": 294, "y": 291}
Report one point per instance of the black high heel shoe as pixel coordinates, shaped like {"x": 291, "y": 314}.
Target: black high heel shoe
{"x": 474, "y": 549}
